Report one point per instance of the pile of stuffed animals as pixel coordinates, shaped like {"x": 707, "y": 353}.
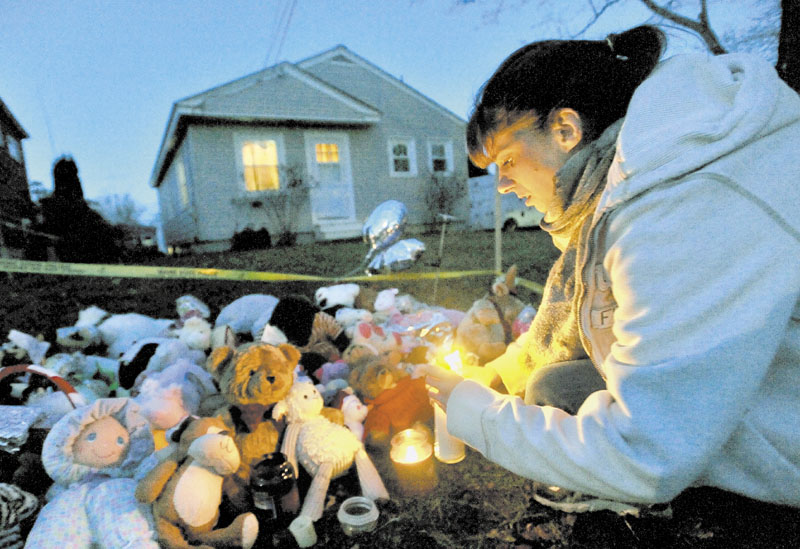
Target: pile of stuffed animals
{"x": 149, "y": 428}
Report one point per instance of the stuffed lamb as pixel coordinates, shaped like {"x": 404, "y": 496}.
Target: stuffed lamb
{"x": 325, "y": 449}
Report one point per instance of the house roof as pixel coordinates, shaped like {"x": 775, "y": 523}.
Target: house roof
{"x": 5, "y": 113}
{"x": 242, "y": 100}
{"x": 341, "y": 53}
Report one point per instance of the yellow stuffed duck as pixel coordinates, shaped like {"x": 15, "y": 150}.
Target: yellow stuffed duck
{"x": 92, "y": 453}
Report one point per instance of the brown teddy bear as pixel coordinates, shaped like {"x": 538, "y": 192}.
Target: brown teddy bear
{"x": 252, "y": 381}
{"x": 372, "y": 374}
{"x": 487, "y": 328}
{"x": 185, "y": 490}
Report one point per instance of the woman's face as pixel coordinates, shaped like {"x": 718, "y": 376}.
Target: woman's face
{"x": 527, "y": 160}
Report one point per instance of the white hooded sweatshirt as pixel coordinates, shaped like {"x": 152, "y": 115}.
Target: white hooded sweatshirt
{"x": 696, "y": 246}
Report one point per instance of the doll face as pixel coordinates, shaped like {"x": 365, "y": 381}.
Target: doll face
{"x": 102, "y": 444}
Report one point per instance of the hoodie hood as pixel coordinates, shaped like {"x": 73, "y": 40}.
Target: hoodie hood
{"x": 691, "y": 111}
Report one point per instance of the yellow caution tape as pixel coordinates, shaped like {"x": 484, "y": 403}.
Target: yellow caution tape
{"x": 143, "y": 271}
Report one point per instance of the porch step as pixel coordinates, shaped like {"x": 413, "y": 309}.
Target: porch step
{"x": 337, "y": 230}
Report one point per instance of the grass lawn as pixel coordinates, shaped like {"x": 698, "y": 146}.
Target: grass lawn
{"x": 41, "y": 303}
{"x": 475, "y": 503}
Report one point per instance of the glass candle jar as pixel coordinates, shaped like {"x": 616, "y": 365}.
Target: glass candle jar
{"x": 412, "y": 458}
{"x": 274, "y": 487}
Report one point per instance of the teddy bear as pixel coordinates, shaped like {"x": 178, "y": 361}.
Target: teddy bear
{"x": 486, "y": 330}
{"x": 372, "y": 374}
{"x": 324, "y": 449}
{"x": 253, "y": 381}
{"x": 92, "y": 454}
{"x": 185, "y": 490}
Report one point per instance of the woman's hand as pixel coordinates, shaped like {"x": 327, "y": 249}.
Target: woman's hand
{"x": 441, "y": 383}
{"x": 485, "y": 375}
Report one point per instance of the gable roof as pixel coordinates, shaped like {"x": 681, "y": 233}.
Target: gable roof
{"x": 341, "y": 54}
{"x": 204, "y": 103}
{"x": 241, "y": 100}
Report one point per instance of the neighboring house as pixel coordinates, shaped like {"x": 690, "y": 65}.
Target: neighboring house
{"x": 16, "y": 207}
{"x": 334, "y": 124}
{"x": 137, "y": 236}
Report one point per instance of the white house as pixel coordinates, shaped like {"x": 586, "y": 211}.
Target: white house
{"x": 342, "y": 132}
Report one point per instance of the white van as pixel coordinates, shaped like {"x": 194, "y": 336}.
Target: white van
{"x": 522, "y": 218}
{"x": 515, "y": 214}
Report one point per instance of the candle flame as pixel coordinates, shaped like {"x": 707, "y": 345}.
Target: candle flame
{"x": 454, "y": 361}
{"x": 412, "y": 455}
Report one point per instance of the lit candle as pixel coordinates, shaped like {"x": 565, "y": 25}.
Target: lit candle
{"x": 411, "y": 455}
{"x": 447, "y": 448}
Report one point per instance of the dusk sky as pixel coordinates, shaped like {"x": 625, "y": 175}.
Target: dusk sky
{"x": 96, "y": 79}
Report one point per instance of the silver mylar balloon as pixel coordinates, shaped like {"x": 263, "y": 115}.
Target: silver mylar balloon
{"x": 384, "y": 225}
{"x": 400, "y": 255}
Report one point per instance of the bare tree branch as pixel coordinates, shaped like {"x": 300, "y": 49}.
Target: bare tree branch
{"x": 701, "y": 26}
{"x": 597, "y": 13}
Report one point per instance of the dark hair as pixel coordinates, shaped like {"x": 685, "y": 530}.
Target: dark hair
{"x": 596, "y": 78}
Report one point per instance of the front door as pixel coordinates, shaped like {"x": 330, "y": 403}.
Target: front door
{"x": 328, "y": 159}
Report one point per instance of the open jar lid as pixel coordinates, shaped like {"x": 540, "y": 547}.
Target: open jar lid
{"x": 357, "y": 514}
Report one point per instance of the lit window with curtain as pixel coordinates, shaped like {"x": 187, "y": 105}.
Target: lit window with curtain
{"x": 328, "y": 161}
{"x": 260, "y": 162}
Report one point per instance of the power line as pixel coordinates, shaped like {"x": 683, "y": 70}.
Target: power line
{"x": 285, "y": 31}
{"x": 280, "y": 33}
{"x": 46, "y": 122}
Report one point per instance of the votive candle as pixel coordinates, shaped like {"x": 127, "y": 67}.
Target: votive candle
{"x": 411, "y": 455}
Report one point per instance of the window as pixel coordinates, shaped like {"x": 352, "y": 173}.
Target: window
{"x": 261, "y": 166}
{"x": 441, "y": 157}
{"x": 14, "y": 148}
{"x": 328, "y": 161}
{"x": 402, "y": 157}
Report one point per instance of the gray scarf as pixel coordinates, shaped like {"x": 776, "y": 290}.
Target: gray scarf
{"x": 579, "y": 184}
